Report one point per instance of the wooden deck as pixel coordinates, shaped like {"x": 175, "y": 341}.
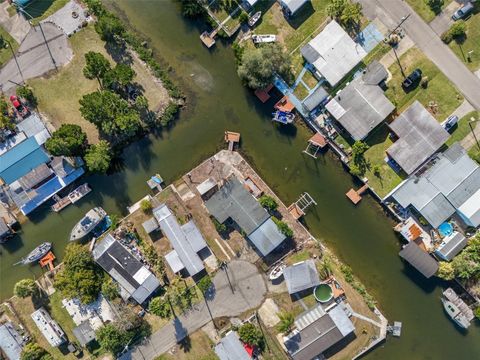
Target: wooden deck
{"x": 232, "y": 138}
{"x": 355, "y": 196}
{"x": 208, "y": 39}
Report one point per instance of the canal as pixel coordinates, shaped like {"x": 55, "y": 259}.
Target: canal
{"x": 362, "y": 236}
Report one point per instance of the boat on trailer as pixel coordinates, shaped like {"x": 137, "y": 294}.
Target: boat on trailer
{"x": 91, "y": 219}
{"x": 283, "y": 117}
{"x": 254, "y": 19}
{"x": 36, "y": 254}
{"x": 277, "y": 272}
{"x": 258, "y": 39}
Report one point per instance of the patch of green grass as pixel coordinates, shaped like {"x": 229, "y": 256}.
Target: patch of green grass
{"x": 199, "y": 348}
{"x": 5, "y": 53}
{"x": 422, "y": 9}
{"x": 300, "y": 92}
{"x": 298, "y": 256}
{"x": 470, "y": 43}
{"x": 462, "y": 128}
{"x": 61, "y": 315}
{"x": 309, "y": 79}
{"x": 40, "y": 10}
{"x": 439, "y": 91}
{"x": 474, "y": 153}
{"x": 377, "y": 53}
{"x": 379, "y": 142}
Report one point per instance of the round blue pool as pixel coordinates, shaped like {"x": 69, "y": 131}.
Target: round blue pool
{"x": 445, "y": 229}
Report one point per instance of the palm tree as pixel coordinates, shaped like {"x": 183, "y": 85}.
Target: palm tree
{"x": 286, "y": 322}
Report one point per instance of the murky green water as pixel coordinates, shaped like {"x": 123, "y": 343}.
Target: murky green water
{"x": 361, "y": 236}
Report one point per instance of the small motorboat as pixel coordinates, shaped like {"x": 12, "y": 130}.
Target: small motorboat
{"x": 277, "y": 272}
{"x": 91, "y": 219}
{"x": 258, "y": 39}
{"x": 79, "y": 192}
{"x": 36, "y": 254}
{"x": 254, "y": 19}
{"x": 283, "y": 117}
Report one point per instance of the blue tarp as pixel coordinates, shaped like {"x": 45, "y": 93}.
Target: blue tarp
{"x": 21, "y": 159}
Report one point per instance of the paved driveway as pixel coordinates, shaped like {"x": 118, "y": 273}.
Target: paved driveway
{"x": 34, "y": 57}
{"x": 391, "y": 12}
{"x": 249, "y": 291}
{"x": 443, "y": 21}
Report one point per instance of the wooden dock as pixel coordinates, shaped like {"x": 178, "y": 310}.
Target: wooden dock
{"x": 356, "y": 195}
{"x": 208, "y": 39}
{"x": 47, "y": 261}
{"x": 232, "y": 138}
{"x": 316, "y": 143}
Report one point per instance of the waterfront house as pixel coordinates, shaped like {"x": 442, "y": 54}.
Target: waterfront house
{"x": 333, "y": 53}
{"x": 450, "y": 246}
{"x": 135, "y": 280}
{"x": 30, "y": 175}
{"x": 361, "y": 106}
{"x": 11, "y": 342}
{"x": 301, "y": 276}
{"x": 233, "y": 201}
{"x": 187, "y": 242}
{"x": 49, "y": 327}
{"x": 419, "y": 137}
{"x": 290, "y": 7}
{"x": 449, "y": 184}
{"x": 419, "y": 259}
{"x": 317, "y": 331}
{"x": 231, "y": 348}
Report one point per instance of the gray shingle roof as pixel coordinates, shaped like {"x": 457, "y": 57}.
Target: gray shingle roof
{"x": 233, "y": 201}
{"x": 267, "y": 237}
{"x": 360, "y": 107}
{"x": 314, "y": 99}
{"x": 420, "y": 136}
{"x": 419, "y": 259}
{"x": 230, "y": 348}
{"x": 301, "y": 276}
{"x": 184, "y": 243}
{"x": 84, "y": 333}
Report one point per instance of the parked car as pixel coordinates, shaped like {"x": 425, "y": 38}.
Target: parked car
{"x": 451, "y": 122}
{"x": 463, "y": 12}
{"x": 20, "y": 109}
{"x": 412, "y": 79}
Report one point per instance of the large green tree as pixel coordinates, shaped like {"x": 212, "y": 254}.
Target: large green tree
{"x": 445, "y": 271}
{"x": 25, "y": 288}
{"x": 348, "y": 13}
{"x": 112, "y": 339}
{"x": 98, "y": 157}
{"x": 251, "y": 335}
{"x": 467, "y": 263}
{"x": 110, "y": 113}
{"x": 33, "y": 351}
{"x": 119, "y": 77}
{"x": 259, "y": 65}
{"x": 160, "y": 307}
{"x": 109, "y": 27}
{"x": 80, "y": 276}
{"x": 68, "y": 140}
{"x": 96, "y": 66}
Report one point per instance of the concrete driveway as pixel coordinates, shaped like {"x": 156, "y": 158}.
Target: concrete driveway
{"x": 249, "y": 290}
{"x": 16, "y": 25}
{"x": 34, "y": 57}
{"x": 391, "y": 13}
{"x": 443, "y": 21}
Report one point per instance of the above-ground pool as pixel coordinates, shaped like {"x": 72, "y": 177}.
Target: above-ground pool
{"x": 445, "y": 229}
{"x": 323, "y": 293}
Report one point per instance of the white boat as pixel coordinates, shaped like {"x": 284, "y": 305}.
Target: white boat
{"x": 277, "y": 272}
{"x": 91, "y": 219}
{"x": 37, "y": 253}
{"x": 257, "y": 39}
{"x": 254, "y": 19}
{"x": 456, "y": 308}
{"x": 79, "y": 192}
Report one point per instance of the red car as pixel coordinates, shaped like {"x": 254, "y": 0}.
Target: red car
{"x": 21, "y": 109}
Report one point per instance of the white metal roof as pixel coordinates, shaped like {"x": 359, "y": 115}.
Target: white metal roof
{"x": 471, "y": 209}
{"x": 174, "y": 261}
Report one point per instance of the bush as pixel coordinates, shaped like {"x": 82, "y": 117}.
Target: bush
{"x": 204, "y": 284}
{"x": 445, "y": 271}
{"x": 26, "y": 92}
{"x": 220, "y": 227}
{"x": 112, "y": 339}
{"x": 25, "y": 288}
{"x": 283, "y": 227}
{"x": 110, "y": 289}
{"x": 33, "y": 351}
{"x": 146, "y": 206}
{"x": 160, "y": 307}
{"x": 268, "y": 203}
{"x": 68, "y": 140}
{"x": 251, "y": 335}
{"x": 169, "y": 114}
{"x": 286, "y": 322}
{"x": 446, "y": 37}
{"x": 243, "y": 18}
{"x": 458, "y": 29}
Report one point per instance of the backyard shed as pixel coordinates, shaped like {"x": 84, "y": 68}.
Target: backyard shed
{"x": 451, "y": 245}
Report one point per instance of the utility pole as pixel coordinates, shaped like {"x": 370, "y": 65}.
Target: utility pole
{"x": 224, "y": 267}
{"x": 472, "y": 121}
{"x": 9, "y": 45}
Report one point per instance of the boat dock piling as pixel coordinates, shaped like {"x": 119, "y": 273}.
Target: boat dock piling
{"x": 297, "y": 209}
{"x": 356, "y": 195}
{"x": 232, "y": 138}
{"x": 315, "y": 144}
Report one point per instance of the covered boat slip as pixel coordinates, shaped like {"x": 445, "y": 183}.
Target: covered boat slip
{"x": 419, "y": 259}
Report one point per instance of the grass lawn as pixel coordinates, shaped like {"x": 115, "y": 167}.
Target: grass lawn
{"x": 40, "y": 10}
{"x": 377, "y": 52}
{"x": 379, "y": 142}
{"x": 439, "y": 90}
{"x": 298, "y": 256}
{"x": 306, "y": 23}
{"x": 470, "y": 43}
{"x": 309, "y": 79}
{"x": 58, "y": 94}
{"x": 300, "y": 91}
{"x": 424, "y": 10}
{"x": 198, "y": 346}
{"x": 462, "y": 128}
{"x": 5, "y": 53}
{"x": 58, "y": 312}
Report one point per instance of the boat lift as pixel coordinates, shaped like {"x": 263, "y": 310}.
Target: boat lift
{"x": 395, "y": 329}
{"x": 298, "y": 208}
{"x": 315, "y": 144}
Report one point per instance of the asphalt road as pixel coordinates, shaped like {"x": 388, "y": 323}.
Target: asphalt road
{"x": 248, "y": 292}
{"x": 391, "y": 12}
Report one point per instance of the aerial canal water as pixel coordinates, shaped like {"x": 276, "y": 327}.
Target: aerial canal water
{"x": 362, "y": 236}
